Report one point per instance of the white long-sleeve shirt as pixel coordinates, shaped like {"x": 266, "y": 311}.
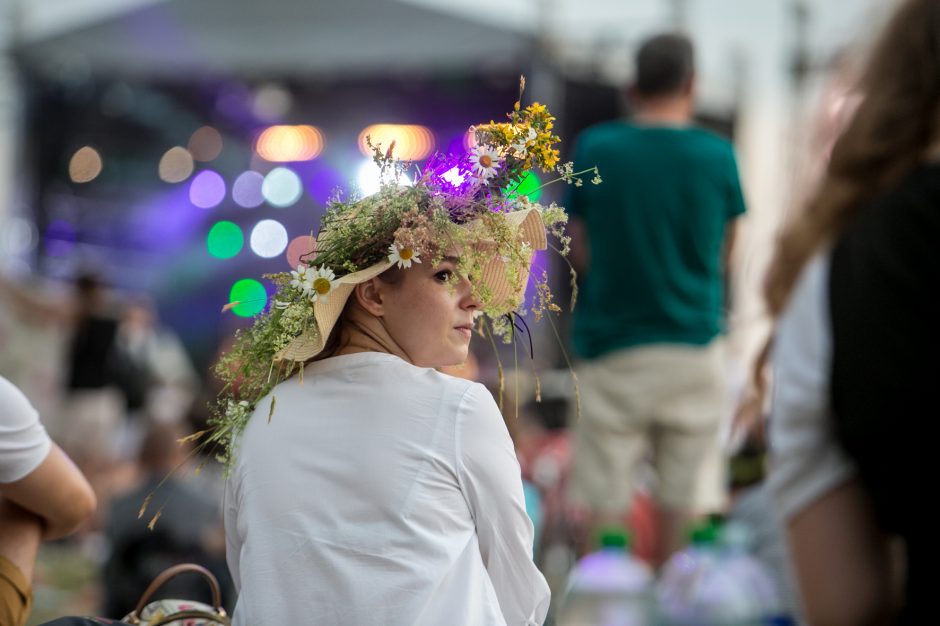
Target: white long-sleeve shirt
{"x": 380, "y": 493}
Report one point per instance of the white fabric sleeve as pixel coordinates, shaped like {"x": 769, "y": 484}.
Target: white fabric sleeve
{"x": 806, "y": 461}
{"x": 233, "y": 548}
{"x": 491, "y": 480}
{"x": 24, "y": 443}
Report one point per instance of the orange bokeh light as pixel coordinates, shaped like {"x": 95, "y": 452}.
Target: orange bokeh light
{"x": 412, "y": 142}
{"x": 282, "y": 144}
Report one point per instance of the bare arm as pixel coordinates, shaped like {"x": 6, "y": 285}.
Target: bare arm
{"x": 20, "y": 535}
{"x": 841, "y": 560}
{"x": 56, "y": 492}
{"x": 580, "y": 256}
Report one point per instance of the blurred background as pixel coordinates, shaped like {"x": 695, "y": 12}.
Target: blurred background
{"x": 177, "y": 150}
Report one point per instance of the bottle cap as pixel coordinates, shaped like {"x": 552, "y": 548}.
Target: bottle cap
{"x": 704, "y": 534}
{"x": 613, "y": 537}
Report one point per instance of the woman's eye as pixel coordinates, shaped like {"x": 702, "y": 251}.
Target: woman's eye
{"x": 444, "y": 275}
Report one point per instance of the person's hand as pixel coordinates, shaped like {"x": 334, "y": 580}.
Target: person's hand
{"x": 748, "y": 421}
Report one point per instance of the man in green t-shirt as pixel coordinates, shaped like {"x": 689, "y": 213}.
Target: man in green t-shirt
{"x": 651, "y": 246}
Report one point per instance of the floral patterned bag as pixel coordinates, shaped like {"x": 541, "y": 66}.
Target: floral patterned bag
{"x": 172, "y": 612}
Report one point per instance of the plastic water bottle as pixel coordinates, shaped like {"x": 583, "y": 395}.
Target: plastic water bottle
{"x": 716, "y": 582}
{"x": 767, "y": 605}
{"x": 608, "y": 587}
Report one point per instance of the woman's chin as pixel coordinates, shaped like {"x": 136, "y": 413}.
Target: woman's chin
{"x": 453, "y": 361}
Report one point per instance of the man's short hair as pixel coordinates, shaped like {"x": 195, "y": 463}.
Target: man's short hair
{"x": 664, "y": 64}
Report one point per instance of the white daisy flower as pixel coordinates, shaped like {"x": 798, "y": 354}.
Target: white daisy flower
{"x": 521, "y": 143}
{"x": 321, "y": 282}
{"x": 299, "y": 278}
{"x": 403, "y": 256}
{"x": 485, "y": 160}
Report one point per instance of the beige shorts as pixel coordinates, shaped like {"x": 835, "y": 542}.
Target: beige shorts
{"x": 91, "y": 421}
{"x": 16, "y": 597}
{"x": 662, "y": 402}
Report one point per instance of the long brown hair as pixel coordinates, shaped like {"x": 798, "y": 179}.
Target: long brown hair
{"x": 891, "y": 131}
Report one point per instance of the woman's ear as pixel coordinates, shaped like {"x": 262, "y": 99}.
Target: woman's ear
{"x": 369, "y": 295}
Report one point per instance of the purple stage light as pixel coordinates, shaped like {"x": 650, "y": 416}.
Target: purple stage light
{"x": 60, "y": 238}
{"x": 322, "y": 182}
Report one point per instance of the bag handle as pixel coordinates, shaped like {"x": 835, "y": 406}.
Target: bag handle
{"x": 171, "y": 572}
{"x": 192, "y": 614}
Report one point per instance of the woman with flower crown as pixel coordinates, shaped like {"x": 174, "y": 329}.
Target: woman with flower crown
{"x": 364, "y": 485}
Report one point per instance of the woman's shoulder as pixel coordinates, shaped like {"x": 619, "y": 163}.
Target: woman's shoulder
{"x": 377, "y": 371}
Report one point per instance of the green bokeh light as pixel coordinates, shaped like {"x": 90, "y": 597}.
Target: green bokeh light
{"x": 530, "y": 183}
{"x": 252, "y": 296}
{"x": 225, "y": 240}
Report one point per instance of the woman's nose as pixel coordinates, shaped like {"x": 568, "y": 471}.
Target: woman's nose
{"x": 469, "y": 300}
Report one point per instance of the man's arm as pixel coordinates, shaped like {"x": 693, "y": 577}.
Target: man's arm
{"x": 56, "y": 492}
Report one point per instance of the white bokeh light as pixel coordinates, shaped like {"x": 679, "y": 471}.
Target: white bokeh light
{"x": 268, "y": 238}
{"x": 17, "y": 236}
{"x": 369, "y": 178}
{"x": 281, "y": 187}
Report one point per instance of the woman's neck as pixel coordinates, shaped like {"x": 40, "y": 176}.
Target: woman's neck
{"x": 360, "y": 331}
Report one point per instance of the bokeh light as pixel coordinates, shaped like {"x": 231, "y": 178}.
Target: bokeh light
{"x": 207, "y": 189}
{"x": 205, "y": 144}
{"x": 268, "y": 238}
{"x": 85, "y": 165}
{"x": 529, "y": 186}
{"x": 412, "y": 142}
{"x": 225, "y": 240}
{"x": 17, "y": 236}
{"x": 453, "y": 176}
{"x": 369, "y": 178}
{"x": 176, "y": 165}
{"x": 281, "y": 144}
{"x": 246, "y": 190}
{"x": 300, "y": 249}
{"x": 251, "y": 296}
{"x": 271, "y": 101}
{"x": 281, "y": 187}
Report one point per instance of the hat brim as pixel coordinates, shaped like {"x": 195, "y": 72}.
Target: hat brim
{"x": 503, "y": 294}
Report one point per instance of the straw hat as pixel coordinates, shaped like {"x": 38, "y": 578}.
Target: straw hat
{"x": 503, "y": 295}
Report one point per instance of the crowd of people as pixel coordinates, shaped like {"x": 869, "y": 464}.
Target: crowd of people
{"x": 368, "y": 477}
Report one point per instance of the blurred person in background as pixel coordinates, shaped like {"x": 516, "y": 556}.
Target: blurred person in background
{"x": 93, "y": 408}
{"x": 853, "y": 285}
{"x": 189, "y": 528}
{"x": 43, "y": 496}
{"x": 153, "y": 370}
{"x": 652, "y": 245}
{"x": 165, "y": 381}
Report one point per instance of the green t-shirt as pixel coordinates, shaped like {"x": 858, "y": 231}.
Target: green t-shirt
{"x": 655, "y": 228}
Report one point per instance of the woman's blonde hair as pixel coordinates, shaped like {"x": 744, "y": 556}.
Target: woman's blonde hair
{"x": 891, "y": 131}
